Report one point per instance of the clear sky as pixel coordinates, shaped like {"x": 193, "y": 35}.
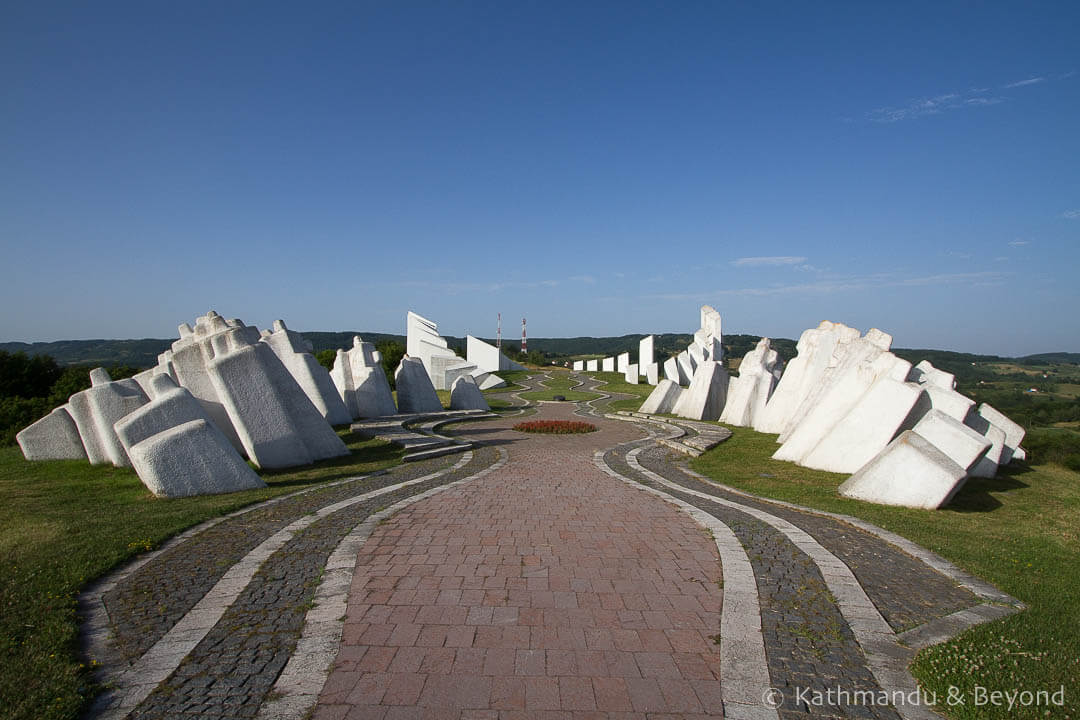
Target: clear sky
{"x": 600, "y": 168}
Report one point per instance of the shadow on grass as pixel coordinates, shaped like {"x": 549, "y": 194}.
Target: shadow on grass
{"x": 977, "y": 495}
{"x": 364, "y": 457}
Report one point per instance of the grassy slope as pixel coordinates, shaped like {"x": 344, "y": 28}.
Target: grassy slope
{"x": 1020, "y": 531}
{"x": 616, "y": 383}
{"x": 66, "y": 523}
{"x": 559, "y": 383}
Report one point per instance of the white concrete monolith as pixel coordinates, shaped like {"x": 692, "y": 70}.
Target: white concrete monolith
{"x": 631, "y": 374}
{"x": 663, "y": 398}
{"x": 705, "y": 398}
{"x": 415, "y": 393}
{"x": 609, "y": 364}
{"x": 295, "y": 353}
{"x": 749, "y": 392}
{"x": 53, "y": 437}
{"x": 910, "y": 472}
{"x": 465, "y": 395}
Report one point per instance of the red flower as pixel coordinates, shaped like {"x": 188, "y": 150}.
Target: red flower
{"x": 555, "y": 427}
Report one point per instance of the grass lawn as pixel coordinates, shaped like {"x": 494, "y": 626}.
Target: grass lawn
{"x": 616, "y": 383}
{"x": 558, "y": 383}
{"x": 67, "y": 523}
{"x": 1020, "y": 531}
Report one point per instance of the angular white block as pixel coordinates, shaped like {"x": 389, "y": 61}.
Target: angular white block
{"x": 950, "y": 402}
{"x": 53, "y": 437}
{"x": 622, "y": 361}
{"x": 415, "y": 393}
{"x": 579, "y": 365}
{"x": 749, "y": 392}
{"x": 871, "y": 424}
{"x": 489, "y": 382}
{"x": 631, "y": 374}
{"x": 925, "y": 373}
{"x": 663, "y": 398}
{"x": 671, "y": 370}
{"x": 645, "y": 354}
{"x": 169, "y": 406}
{"x": 652, "y": 374}
{"x": 95, "y": 411}
{"x": 361, "y": 381}
{"x": 422, "y": 341}
{"x": 910, "y": 472}
{"x": 486, "y": 357}
{"x": 609, "y": 364}
{"x": 686, "y": 367}
{"x": 465, "y": 395}
{"x": 277, "y": 424}
{"x": 1014, "y": 433}
{"x": 707, "y": 394}
{"x": 987, "y": 465}
{"x": 960, "y": 443}
{"x": 294, "y": 352}
{"x": 193, "y": 458}
{"x": 592, "y": 365}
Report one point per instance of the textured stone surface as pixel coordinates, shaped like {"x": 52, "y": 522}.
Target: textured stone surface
{"x": 646, "y": 355}
{"x": 361, "y": 382}
{"x": 465, "y": 395}
{"x": 1014, "y": 433}
{"x": 486, "y": 357}
{"x": 705, "y": 398}
{"x": 622, "y": 361}
{"x": 53, "y": 437}
{"x": 294, "y": 352}
{"x": 415, "y": 393}
{"x": 663, "y": 398}
{"x": 960, "y": 443}
{"x": 749, "y": 392}
{"x": 909, "y": 472}
{"x": 95, "y": 411}
{"x": 423, "y": 342}
{"x": 608, "y": 364}
{"x": 631, "y": 374}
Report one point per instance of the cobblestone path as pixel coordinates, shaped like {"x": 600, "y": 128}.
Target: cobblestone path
{"x": 574, "y": 576}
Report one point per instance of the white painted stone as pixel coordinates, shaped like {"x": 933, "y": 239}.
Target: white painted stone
{"x": 486, "y": 357}
{"x": 663, "y": 398}
{"x": 707, "y": 394}
{"x": 950, "y": 402}
{"x": 592, "y": 365}
{"x": 361, "y": 381}
{"x": 925, "y": 373}
{"x": 632, "y": 374}
{"x": 193, "y": 458}
{"x": 295, "y": 353}
{"x": 987, "y": 465}
{"x": 444, "y": 369}
{"x": 95, "y": 411}
{"x": 646, "y": 354}
{"x": 277, "y": 424}
{"x": 910, "y": 472}
{"x": 1014, "y": 433}
{"x": 686, "y": 367}
{"x": 465, "y": 395}
{"x": 422, "y": 341}
{"x": 671, "y": 370}
{"x": 871, "y": 424}
{"x": 652, "y": 374}
{"x": 83, "y": 416}
{"x": 622, "y": 361}
{"x": 844, "y": 392}
{"x": 489, "y": 382}
{"x": 960, "y": 443}
{"x": 749, "y": 392}
{"x": 53, "y": 437}
{"x": 579, "y": 365}
{"x": 415, "y": 393}
{"x": 609, "y": 364}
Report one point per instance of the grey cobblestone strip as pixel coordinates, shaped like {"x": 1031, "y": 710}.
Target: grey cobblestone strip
{"x": 132, "y": 684}
{"x": 813, "y": 609}
{"x": 297, "y": 688}
{"x": 880, "y": 567}
{"x": 143, "y": 605}
{"x": 745, "y": 679}
{"x": 230, "y": 671}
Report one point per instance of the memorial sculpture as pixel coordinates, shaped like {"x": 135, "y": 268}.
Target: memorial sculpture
{"x": 415, "y": 392}
{"x": 466, "y": 395}
{"x": 361, "y": 381}
{"x": 750, "y": 391}
{"x": 295, "y": 353}
{"x": 422, "y": 341}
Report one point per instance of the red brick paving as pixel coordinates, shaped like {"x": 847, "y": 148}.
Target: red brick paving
{"x": 546, "y": 589}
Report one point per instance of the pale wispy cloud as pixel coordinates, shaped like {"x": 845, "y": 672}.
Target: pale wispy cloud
{"x": 455, "y": 288}
{"x": 771, "y": 260}
{"x": 587, "y": 279}
{"x": 1071, "y": 214}
{"x": 1019, "y": 243}
{"x": 1022, "y": 83}
{"x": 827, "y": 286}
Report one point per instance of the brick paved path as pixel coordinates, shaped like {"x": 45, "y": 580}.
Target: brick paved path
{"x": 548, "y": 586}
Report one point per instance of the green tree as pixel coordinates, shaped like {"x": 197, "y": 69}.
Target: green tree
{"x": 326, "y": 358}
{"x": 392, "y": 352}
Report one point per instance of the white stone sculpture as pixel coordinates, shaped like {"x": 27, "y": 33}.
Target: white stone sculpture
{"x": 53, "y": 437}
{"x": 749, "y": 392}
{"x": 295, "y": 353}
{"x": 911, "y": 472}
{"x": 609, "y": 364}
{"x": 671, "y": 370}
{"x": 592, "y": 365}
{"x": 424, "y": 343}
{"x": 652, "y": 373}
{"x": 960, "y": 443}
{"x": 579, "y": 365}
{"x": 486, "y": 357}
{"x": 707, "y": 394}
{"x": 631, "y": 374}
{"x": 361, "y": 381}
{"x": 95, "y": 411}
{"x": 622, "y": 361}
{"x": 663, "y": 398}
{"x": 1014, "y": 434}
{"x": 645, "y": 354}
{"x": 415, "y": 393}
{"x": 465, "y": 395}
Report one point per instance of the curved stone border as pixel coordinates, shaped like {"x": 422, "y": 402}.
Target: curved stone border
{"x": 132, "y": 685}
{"x": 297, "y": 688}
{"x": 745, "y": 682}
{"x": 886, "y": 658}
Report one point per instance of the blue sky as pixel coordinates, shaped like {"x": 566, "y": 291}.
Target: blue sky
{"x": 600, "y": 168}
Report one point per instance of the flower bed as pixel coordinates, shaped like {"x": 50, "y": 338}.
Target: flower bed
{"x": 555, "y": 427}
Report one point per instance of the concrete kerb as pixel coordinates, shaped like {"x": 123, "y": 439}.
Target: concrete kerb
{"x": 744, "y": 669}
{"x": 132, "y": 685}
{"x": 301, "y": 681}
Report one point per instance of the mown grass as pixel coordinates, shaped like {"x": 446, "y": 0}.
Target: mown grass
{"x": 67, "y": 523}
{"x": 615, "y": 382}
{"x": 558, "y": 383}
{"x": 1020, "y": 531}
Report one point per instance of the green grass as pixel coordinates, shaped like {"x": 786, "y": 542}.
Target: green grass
{"x": 558, "y": 383}
{"x": 616, "y": 383}
{"x": 1020, "y": 531}
{"x": 67, "y": 523}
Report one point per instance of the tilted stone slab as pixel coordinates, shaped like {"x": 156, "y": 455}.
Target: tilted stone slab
{"x": 646, "y": 357}
{"x": 910, "y": 472}
{"x": 361, "y": 382}
{"x": 486, "y": 357}
{"x": 987, "y": 465}
{"x": 631, "y": 374}
{"x": 749, "y": 392}
{"x": 663, "y": 398}
{"x": 1014, "y": 433}
{"x": 622, "y": 361}
{"x": 960, "y": 443}
{"x": 53, "y": 437}
{"x": 686, "y": 367}
{"x": 925, "y": 373}
{"x": 579, "y": 365}
{"x": 592, "y": 365}
{"x": 671, "y": 371}
{"x": 415, "y": 393}
{"x": 707, "y": 394}
{"x": 465, "y": 395}
{"x": 489, "y": 382}
{"x": 99, "y": 407}
{"x": 193, "y": 458}
{"x": 295, "y": 353}
{"x": 652, "y": 374}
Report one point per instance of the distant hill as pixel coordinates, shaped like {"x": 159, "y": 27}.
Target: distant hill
{"x": 1049, "y": 358}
